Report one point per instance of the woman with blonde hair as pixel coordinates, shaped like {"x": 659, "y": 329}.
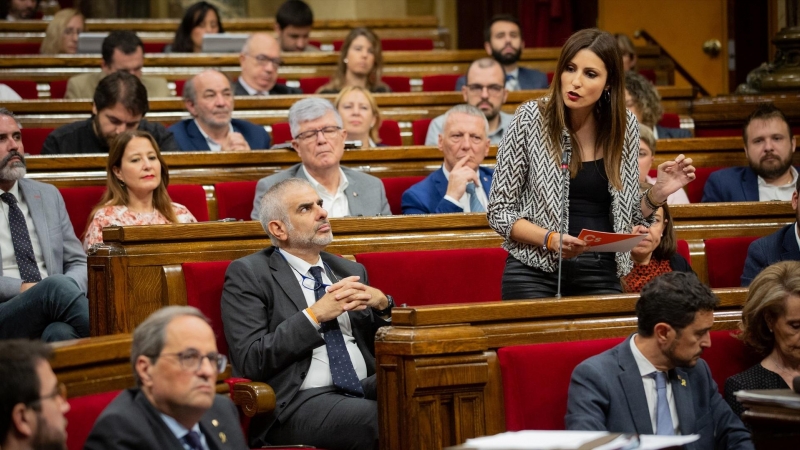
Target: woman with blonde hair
{"x": 360, "y": 64}
{"x": 62, "y": 33}
{"x": 360, "y": 114}
{"x": 136, "y": 188}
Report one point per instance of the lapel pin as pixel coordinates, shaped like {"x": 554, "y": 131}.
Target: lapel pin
{"x": 215, "y": 422}
{"x": 222, "y": 437}
{"x": 355, "y": 194}
{"x": 683, "y": 381}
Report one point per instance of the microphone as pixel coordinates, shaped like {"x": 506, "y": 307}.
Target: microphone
{"x": 796, "y": 384}
{"x": 564, "y": 174}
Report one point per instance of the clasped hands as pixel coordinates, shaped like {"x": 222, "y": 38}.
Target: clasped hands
{"x": 347, "y": 295}
{"x": 235, "y": 142}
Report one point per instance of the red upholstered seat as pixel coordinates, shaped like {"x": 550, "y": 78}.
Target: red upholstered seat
{"x": 20, "y": 48}
{"x": 683, "y": 250}
{"x": 311, "y": 84}
{"x": 235, "y": 199}
{"x": 26, "y": 89}
{"x": 398, "y": 84}
{"x": 725, "y": 260}
{"x": 437, "y": 277}
{"x": 395, "y": 186}
{"x": 550, "y": 76}
{"x": 83, "y": 412}
{"x": 58, "y": 88}
{"x": 193, "y": 197}
{"x": 154, "y": 47}
{"x": 281, "y": 133}
{"x": 670, "y": 120}
{"x": 728, "y": 356}
{"x": 419, "y": 130}
{"x": 79, "y": 202}
{"x": 650, "y": 74}
{"x": 389, "y": 133}
{"x": 694, "y": 190}
{"x": 33, "y": 139}
{"x": 437, "y": 83}
{"x": 179, "y": 84}
{"x": 204, "y": 282}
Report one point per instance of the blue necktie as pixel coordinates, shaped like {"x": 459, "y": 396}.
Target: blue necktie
{"x": 342, "y": 370}
{"x": 663, "y": 417}
{"x": 21, "y": 239}
{"x": 474, "y": 202}
{"x": 192, "y": 439}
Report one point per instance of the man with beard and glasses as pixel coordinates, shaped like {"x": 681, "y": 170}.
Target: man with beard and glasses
{"x": 769, "y": 146}
{"x": 32, "y": 401}
{"x": 120, "y": 103}
{"x": 19, "y": 9}
{"x": 208, "y": 96}
{"x": 502, "y": 40}
{"x": 485, "y": 91}
{"x": 304, "y": 321}
{"x": 43, "y": 276}
{"x": 655, "y": 381}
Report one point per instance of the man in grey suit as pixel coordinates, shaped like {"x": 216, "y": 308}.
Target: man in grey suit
{"x": 174, "y": 406}
{"x": 319, "y": 141}
{"x": 43, "y": 275}
{"x": 304, "y": 321}
{"x": 655, "y": 382}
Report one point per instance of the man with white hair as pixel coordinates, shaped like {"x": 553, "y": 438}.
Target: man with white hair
{"x": 260, "y": 60}
{"x": 318, "y": 138}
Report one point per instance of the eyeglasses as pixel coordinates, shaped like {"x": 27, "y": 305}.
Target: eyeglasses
{"x": 262, "y": 60}
{"x": 329, "y": 133}
{"x": 494, "y": 89}
{"x": 59, "y": 391}
{"x": 192, "y": 359}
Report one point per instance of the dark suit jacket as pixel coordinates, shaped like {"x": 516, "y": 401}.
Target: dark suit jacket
{"x": 778, "y": 246}
{"x": 672, "y": 133}
{"x": 734, "y": 184}
{"x": 427, "y": 196}
{"x": 278, "y": 89}
{"x": 130, "y": 422}
{"x": 269, "y": 337}
{"x": 189, "y": 138}
{"x": 527, "y": 79}
{"x": 606, "y": 394}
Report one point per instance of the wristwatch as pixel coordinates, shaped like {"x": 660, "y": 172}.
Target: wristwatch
{"x": 386, "y": 311}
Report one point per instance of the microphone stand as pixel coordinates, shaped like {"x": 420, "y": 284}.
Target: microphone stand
{"x": 564, "y": 174}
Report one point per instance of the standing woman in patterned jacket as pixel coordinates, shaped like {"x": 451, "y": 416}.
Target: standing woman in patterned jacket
{"x": 583, "y": 116}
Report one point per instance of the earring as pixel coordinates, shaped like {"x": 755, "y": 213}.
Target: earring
{"x": 607, "y": 96}
{"x": 345, "y": 61}
{"x": 121, "y": 183}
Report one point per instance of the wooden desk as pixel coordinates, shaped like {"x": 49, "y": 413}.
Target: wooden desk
{"x": 773, "y": 417}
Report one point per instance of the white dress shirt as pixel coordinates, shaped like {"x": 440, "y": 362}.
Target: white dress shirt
{"x": 463, "y": 202}
{"x": 10, "y": 267}
{"x": 646, "y": 369}
{"x": 767, "y": 192}
{"x": 212, "y": 144}
{"x": 335, "y": 204}
{"x": 251, "y": 90}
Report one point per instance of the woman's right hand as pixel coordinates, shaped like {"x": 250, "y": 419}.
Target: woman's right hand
{"x": 572, "y": 246}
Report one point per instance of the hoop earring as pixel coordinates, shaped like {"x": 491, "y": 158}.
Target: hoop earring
{"x": 607, "y": 96}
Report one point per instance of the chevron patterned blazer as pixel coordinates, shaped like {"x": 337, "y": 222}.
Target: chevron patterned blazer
{"x": 527, "y": 185}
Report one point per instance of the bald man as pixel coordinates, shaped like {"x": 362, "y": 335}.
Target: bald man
{"x": 260, "y": 60}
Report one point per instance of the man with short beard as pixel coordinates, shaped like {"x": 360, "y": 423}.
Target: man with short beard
{"x": 655, "y": 381}
{"x": 21, "y": 9}
{"x": 769, "y": 146}
{"x": 43, "y": 275}
{"x": 304, "y": 321}
{"x": 503, "y": 41}
{"x": 120, "y": 103}
{"x": 32, "y": 401}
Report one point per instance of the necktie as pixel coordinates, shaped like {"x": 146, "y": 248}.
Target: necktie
{"x": 342, "y": 370}
{"x": 474, "y": 202}
{"x": 663, "y": 416}
{"x": 192, "y": 439}
{"x": 511, "y": 83}
{"x": 21, "y": 239}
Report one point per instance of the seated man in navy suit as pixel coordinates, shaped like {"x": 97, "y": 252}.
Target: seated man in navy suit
{"x": 502, "y": 40}
{"x": 208, "y": 96}
{"x": 655, "y": 381}
{"x": 781, "y": 245}
{"x": 769, "y": 146}
{"x": 259, "y": 61}
{"x": 454, "y": 187}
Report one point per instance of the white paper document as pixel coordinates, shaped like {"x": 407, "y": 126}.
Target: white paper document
{"x": 572, "y": 440}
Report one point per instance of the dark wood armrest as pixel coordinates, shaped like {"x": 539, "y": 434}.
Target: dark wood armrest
{"x": 254, "y": 397}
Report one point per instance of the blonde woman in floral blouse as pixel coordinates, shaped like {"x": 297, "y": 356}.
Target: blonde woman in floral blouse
{"x": 136, "y": 188}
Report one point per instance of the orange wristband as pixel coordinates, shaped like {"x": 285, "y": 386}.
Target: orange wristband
{"x": 311, "y": 313}
{"x": 549, "y": 238}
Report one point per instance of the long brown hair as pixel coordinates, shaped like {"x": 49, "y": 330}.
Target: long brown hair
{"x": 374, "y": 77}
{"x": 116, "y": 193}
{"x": 610, "y": 116}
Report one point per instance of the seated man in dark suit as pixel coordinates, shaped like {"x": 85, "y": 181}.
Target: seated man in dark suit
{"x": 259, "y": 61}
{"x": 293, "y": 22}
{"x": 43, "y": 274}
{"x": 319, "y": 141}
{"x": 781, "y": 245}
{"x": 120, "y": 103}
{"x": 174, "y": 406}
{"x": 769, "y": 146}
{"x": 452, "y": 188}
{"x": 502, "y": 40}
{"x": 34, "y": 402}
{"x": 655, "y": 381}
{"x": 208, "y": 96}
{"x": 304, "y": 321}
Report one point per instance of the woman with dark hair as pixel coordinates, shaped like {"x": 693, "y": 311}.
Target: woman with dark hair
{"x": 360, "y": 64}
{"x": 136, "y": 188}
{"x": 583, "y": 122}
{"x": 771, "y": 326}
{"x": 199, "y": 19}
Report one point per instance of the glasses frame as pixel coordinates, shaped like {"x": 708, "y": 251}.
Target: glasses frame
{"x": 262, "y": 60}
{"x": 491, "y": 89}
{"x": 59, "y": 391}
{"x": 307, "y": 135}
{"x": 217, "y": 360}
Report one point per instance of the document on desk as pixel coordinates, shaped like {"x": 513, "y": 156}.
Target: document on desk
{"x": 600, "y": 241}
{"x": 574, "y": 440}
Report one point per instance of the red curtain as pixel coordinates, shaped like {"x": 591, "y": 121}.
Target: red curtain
{"x": 545, "y": 23}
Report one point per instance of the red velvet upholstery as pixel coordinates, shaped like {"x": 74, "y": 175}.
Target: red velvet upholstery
{"x": 389, "y": 133}
{"x": 437, "y": 277}
{"x": 82, "y": 415}
{"x": 20, "y": 48}
{"x": 419, "y": 130}
{"x": 725, "y": 260}
{"x": 398, "y": 84}
{"x": 154, "y": 47}
{"x": 235, "y": 199}
{"x": 650, "y": 74}
{"x": 694, "y": 190}
{"x": 550, "y": 76}
{"x": 670, "y": 120}
{"x": 79, "y": 202}
{"x": 536, "y": 377}
{"x": 179, "y": 84}
{"x": 58, "y": 88}
{"x": 193, "y": 197}
{"x": 438, "y": 83}
{"x": 33, "y": 139}
{"x": 281, "y": 133}
{"x": 395, "y": 186}
{"x": 204, "y": 282}
{"x": 26, "y": 89}
{"x": 683, "y": 250}
{"x": 311, "y": 84}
